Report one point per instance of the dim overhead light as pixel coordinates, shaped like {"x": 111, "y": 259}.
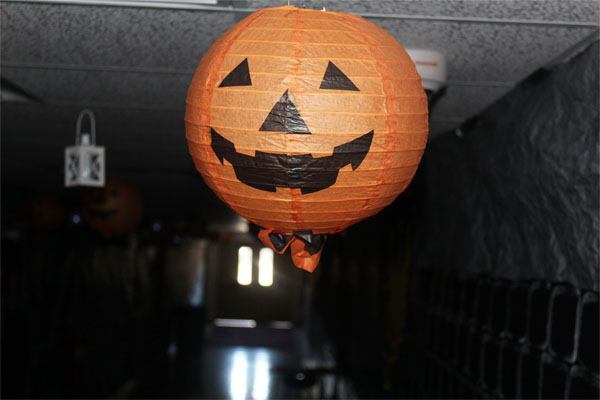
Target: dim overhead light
{"x": 84, "y": 162}
{"x": 235, "y": 323}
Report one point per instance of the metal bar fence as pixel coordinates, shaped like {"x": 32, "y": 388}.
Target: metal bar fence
{"x": 483, "y": 337}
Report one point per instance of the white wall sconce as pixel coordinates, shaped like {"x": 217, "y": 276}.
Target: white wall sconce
{"x": 84, "y": 162}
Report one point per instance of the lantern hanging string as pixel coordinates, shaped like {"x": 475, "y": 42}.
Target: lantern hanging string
{"x": 90, "y": 115}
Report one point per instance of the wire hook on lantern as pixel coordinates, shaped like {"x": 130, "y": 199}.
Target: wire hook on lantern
{"x": 92, "y": 119}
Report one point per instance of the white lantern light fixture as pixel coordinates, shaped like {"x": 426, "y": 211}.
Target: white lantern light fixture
{"x": 84, "y": 162}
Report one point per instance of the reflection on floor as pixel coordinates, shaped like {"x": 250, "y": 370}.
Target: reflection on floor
{"x": 239, "y": 372}
{"x": 256, "y": 364}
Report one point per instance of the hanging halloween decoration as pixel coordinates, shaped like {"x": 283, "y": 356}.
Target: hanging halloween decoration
{"x": 114, "y": 210}
{"x": 306, "y": 122}
{"x": 45, "y": 212}
{"x": 84, "y": 162}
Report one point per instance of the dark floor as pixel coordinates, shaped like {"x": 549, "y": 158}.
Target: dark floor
{"x": 253, "y": 363}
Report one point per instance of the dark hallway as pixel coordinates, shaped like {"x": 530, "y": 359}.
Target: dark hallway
{"x": 480, "y": 280}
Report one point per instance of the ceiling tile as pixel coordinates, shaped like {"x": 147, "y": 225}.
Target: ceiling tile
{"x": 503, "y": 53}
{"x": 133, "y": 67}
{"x": 463, "y": 102}
{"x": 506, "y": 9}
{"x": 113, "y": 36}
{"x": 89, "y": 88}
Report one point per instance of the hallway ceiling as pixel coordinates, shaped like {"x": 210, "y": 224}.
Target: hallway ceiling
{"x": 131, "y": 62}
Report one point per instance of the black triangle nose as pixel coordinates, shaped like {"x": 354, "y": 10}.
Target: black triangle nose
{"x": 284, "y": 117}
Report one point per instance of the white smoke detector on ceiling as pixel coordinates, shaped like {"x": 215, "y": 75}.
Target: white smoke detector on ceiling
{"x": 431, "y": 66}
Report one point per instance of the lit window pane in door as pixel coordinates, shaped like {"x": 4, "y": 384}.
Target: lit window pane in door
{"x": 265, "y": 267}
{"x": 244, "y": 272}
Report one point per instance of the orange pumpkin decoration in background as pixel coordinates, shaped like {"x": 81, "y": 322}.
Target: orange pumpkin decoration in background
{"x": 306, "y": 122}
{"x": 114, "y": 210}
{"x": 45, "y": 212}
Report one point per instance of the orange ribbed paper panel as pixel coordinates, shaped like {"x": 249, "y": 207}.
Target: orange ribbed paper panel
{"x": 306, "y": 122}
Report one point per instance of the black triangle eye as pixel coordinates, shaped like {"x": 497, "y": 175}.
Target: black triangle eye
{"x": 335, "y": 79}
{"x": 240, "y": 76}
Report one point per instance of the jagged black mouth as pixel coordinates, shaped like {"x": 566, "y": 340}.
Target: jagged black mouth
{"x": 268, "y": 171}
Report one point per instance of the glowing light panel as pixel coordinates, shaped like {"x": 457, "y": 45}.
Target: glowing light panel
{"x": 265, "y": 267}
{"x": 244, "y": 272}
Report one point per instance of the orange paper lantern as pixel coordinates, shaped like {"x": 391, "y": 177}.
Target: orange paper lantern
{"x": 114, "y": 210}
{"x": 306, "y": 122}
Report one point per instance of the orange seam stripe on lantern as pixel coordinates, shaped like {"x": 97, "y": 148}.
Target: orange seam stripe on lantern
{"x": 322, "y": 219}
{"x": 389, "y": 130}
{"x": 250, "y": 150}
{"x": 295, "y": 63}
{"x": 270, "y": 210}
{"x": 337, "y": 186}
{"x": 281, "y": 200}
{"x": 389, "y": 103}
{"x": 207, "y": 100}
{"x": 353, "y": 134}
{"x": 311, "y": 58}
{"x": 415, "y": 80}
{"x": 311, "y": 43}
{"x": 268, "y": 214}
{"x": 235, "y": 128}
{"x": 313, "y": 216}
{"x": 355, "y": 216}
{"x": 332, "y": 221}
{"x": 319, "y": 112}
{"x": 225, "y": 73}
{"x": 291, "y": 29}
{"x": 319, "y": 144}
{"x": 328, "y": 227}
{"x": 345, "y": 200}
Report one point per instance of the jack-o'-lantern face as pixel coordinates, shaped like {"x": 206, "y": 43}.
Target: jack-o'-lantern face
{"x": 306, "y": 121}
{"x": 114, "y": 210}
{"x": 267, "y": 171}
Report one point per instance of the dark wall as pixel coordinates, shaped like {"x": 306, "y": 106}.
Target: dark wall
{"x": 497, "y": 241}
{"x": 360, "y": 296}
{"x": 514, "y": 193}
{"x": 80, "y": 315}
{"x": 504, "y": 286}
